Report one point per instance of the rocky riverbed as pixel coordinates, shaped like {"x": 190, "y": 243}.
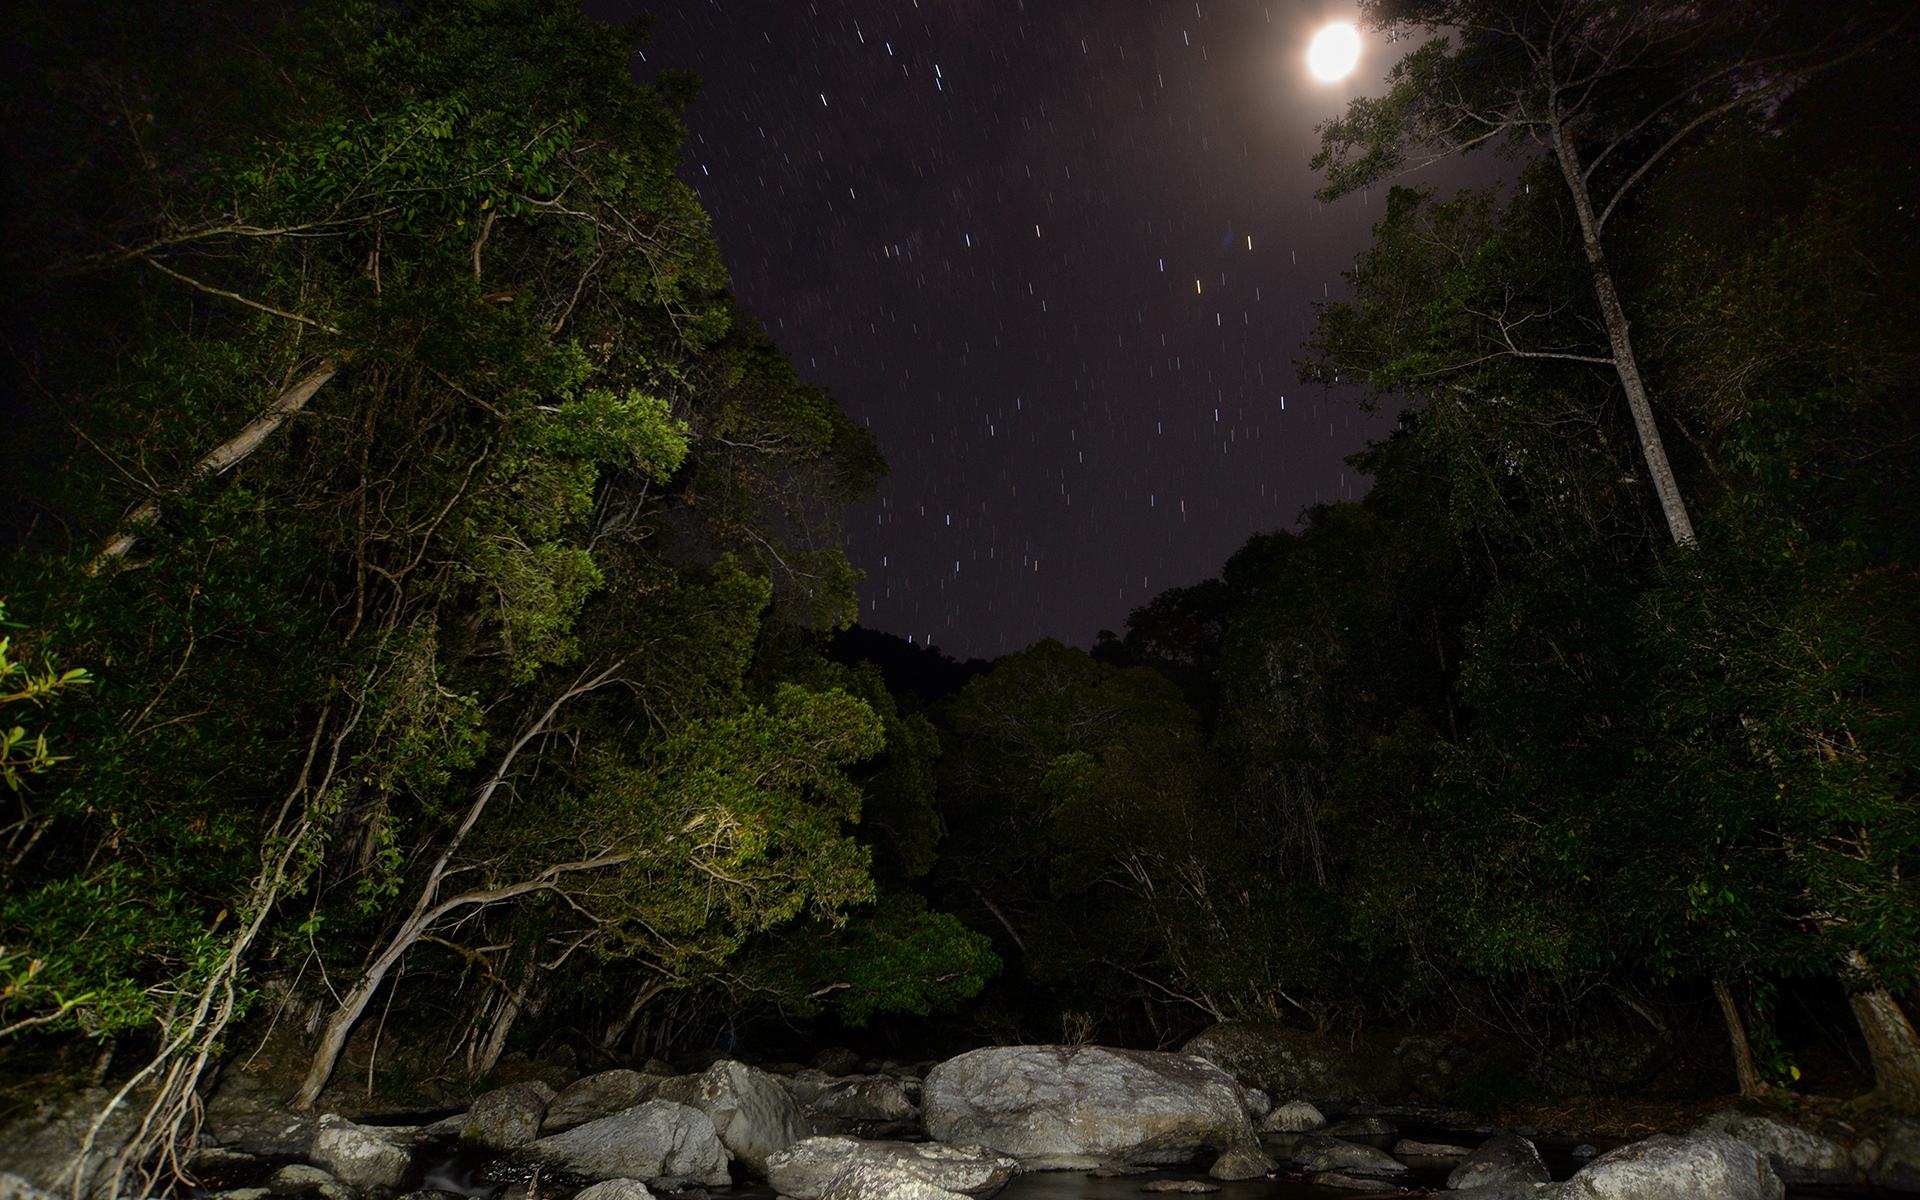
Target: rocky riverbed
{"x": 1020, "y": 1122}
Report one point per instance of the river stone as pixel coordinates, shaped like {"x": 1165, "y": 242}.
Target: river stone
{"x": 1245, "y": 1161}
{"x": 1706, "y": 1166}
{"x": 615, "y": 1189}
{"x": 1371, "y": 1184}
{"x": 1292, "y": 1062}
{"x": 507, "y": 1118}
{"x": 596, "y": 1096}
{"x": 296, "y": 1179}
{"x": 1333, "y": 1154}
{"x": 360, "y": 1156}
{"x": 804, "y": 1169}
{"x": 1515, "y": 1191}
{"x": 754, "y": 1115}
{"x": 1409, "y": 1148}
{"x": 1295, "y": 1116}
{"x": 1257, "y": 1103}
{"x": 871, "y": 1179}
{"x": 654, "y": 1142}
{"x": 1504, "y": 1158}
{"x": 1897, "y": 1165}
{"x": 1073, "y": 1107}
{"x": 1798, "y": 1155}
{"x": 866, "y": 1098}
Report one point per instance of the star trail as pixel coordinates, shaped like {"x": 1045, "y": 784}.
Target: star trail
{"x": 1059, "y": 256}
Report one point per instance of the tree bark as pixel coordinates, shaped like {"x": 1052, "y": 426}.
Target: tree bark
{"x": 1752, "y": 1087}
{"x": 1891, "y": 1041}
{"x": 220, "y": 459}
{"x": 1619, "y": 337}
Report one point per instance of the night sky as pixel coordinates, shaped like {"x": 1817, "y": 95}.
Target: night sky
{"x": 1060, "y": 256}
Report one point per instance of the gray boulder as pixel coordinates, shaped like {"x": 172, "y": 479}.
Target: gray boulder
{"x": 1245, "y": 1161}
{"x": 596, "y": 1096}
{"x": 1896, "y": 1166}
{"x": 361, "y": 1156}
{"x": 1505, "y": 1158}
{"x": 615, "y": 1189}
{"x": 507, "y": 1118}
{"x": 1334, "y": 1154}
{"x": 300, "y": 1179}
{"x": 754, "y": 1115}
{"x": 1706, "y": 1166}
{"x": 1295, "y": 1116}
{"x": 1798, "y": 1155}
{"x": 1370, "y": 1184}
{"x": 805, "y": 1169}
{"x": 1085, "y": 1106}
{"x": 1292, "y": 1062}
{"x": 43, "y": 1149}
{"x": 866, "y": 1098}
{"x": 867, "y": 1179}
{"x": 656, "y": 1142}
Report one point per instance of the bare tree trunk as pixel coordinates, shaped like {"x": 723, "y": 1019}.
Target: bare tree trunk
{"x": 221, "y": 458}
{"x": 1619, "y": 336}
{"x": 1752, "y": 1087}
{"x": 1890, "y": 1038}
{"x": 511, "y": 1007}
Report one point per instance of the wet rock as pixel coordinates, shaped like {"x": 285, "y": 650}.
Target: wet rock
{"x": 1505, "y": 1158}
{"x": 1409, "y": 1148}
{"x": 753, "y": 1113}
{"x": 596, "y": 1096}
{"x": 866, "y": 1098}
{"x": 361, "y": 1156}
{"x": 1085, "y": 1106}
{"x": 1293, "y": 1062}
{"x": 656, "y": 1142}
{"x": 615, "y": 1189}
{"x": 804, "y": 1169}
{"x": 1334, "y": 1154}
{"x": 1245, "y": 1161}
{"x": 1295, "y": 1116}
{"x": 1708, "y": 1166}
{"x": 1370, "y": 1184}
{"x": 1798, "y": 1155}
{"x": 507, "y": 1118}
{"x": 300, "y": 1179}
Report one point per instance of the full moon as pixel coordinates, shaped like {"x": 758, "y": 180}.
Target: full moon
{"x": 1334, "y": 52}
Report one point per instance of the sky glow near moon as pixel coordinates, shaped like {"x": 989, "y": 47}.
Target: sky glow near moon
{"x": 1334, "y": 53}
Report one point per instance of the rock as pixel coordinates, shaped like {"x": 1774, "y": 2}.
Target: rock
{"x": 754, "y": 1115}
{"x": 247, "y": 1113}
{"x": 1370, "y": 1184}
{"x": 1361, "y": 1127}
{"x": 657, "y": 1142}
{"x": 1295, "y": 1116}
{"x": 1515, "y": 1191}
{"x": 296, "y": 1179}
{"x": 804, "y": 1169}
{"x": 1257, "y": 1103}
{"x": 867, "y": 1098}
{"x": 1333, "y": 1154}
{"x": 15, "y": 1187}
{"x": 507, "y": 1118}
{"x": 245, "y": 1193}
{"x": 615, "y": 1189}
{"x": 1192, "y": 1187}
{"x": 1896, "y": 1166}
{"x": 1798, "y": 1155}
{"x": 1585, "y": 1150}
{"x": 360, "y": 1156}
{"x": 1708, "y": 1166}
{"x": 44, "y": 1149}
{"x": 872, "y": 1179}
{"x": 1246, "y": 1161}
{"x": 1085, "y": 1106}
{"x": 1292, "y": 1062}
{"x": 1504, "y": 1158}
{"x": 596, "y": 1096}
{"x": 836, "y": 1060}
{"x": 1408, "y": 1148}
{"x": 807, "y": 1085}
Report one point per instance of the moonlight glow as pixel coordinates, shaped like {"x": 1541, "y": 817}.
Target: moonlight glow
{"x": 1334, "y": 52}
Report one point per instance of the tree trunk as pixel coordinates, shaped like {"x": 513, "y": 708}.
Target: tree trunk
{"x": 1752, "y": 1087}
{"x": 1619, "y": 336}
{"x": 1891, "y": 1041}
{"x": 510, "y": 1008}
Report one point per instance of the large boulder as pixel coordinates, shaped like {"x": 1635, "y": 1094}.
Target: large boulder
{"x": 658, "y": 1142}
{"x": 866, "y": 1098}
{"x": 1798, "y": 1155}
{"x": 805, "y": 1169}
{"x": 870, "y": 1180}
{"x": 249, "y": 1113}
{"x": 1295, "y": 1116}
{"x": 1072, "y": 1107}
{"x": 507, "y": 1118}
{"x": 753, "y": 1113}
{"x": 1704, "y": 1166}
{"x": 1897, "y": 1165}
{"x": 1502, "y": 1159}
{"x": 361, "y": 1156}
{"x": 596, "y": 1096}
{"x": 1292, "y": 1062}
